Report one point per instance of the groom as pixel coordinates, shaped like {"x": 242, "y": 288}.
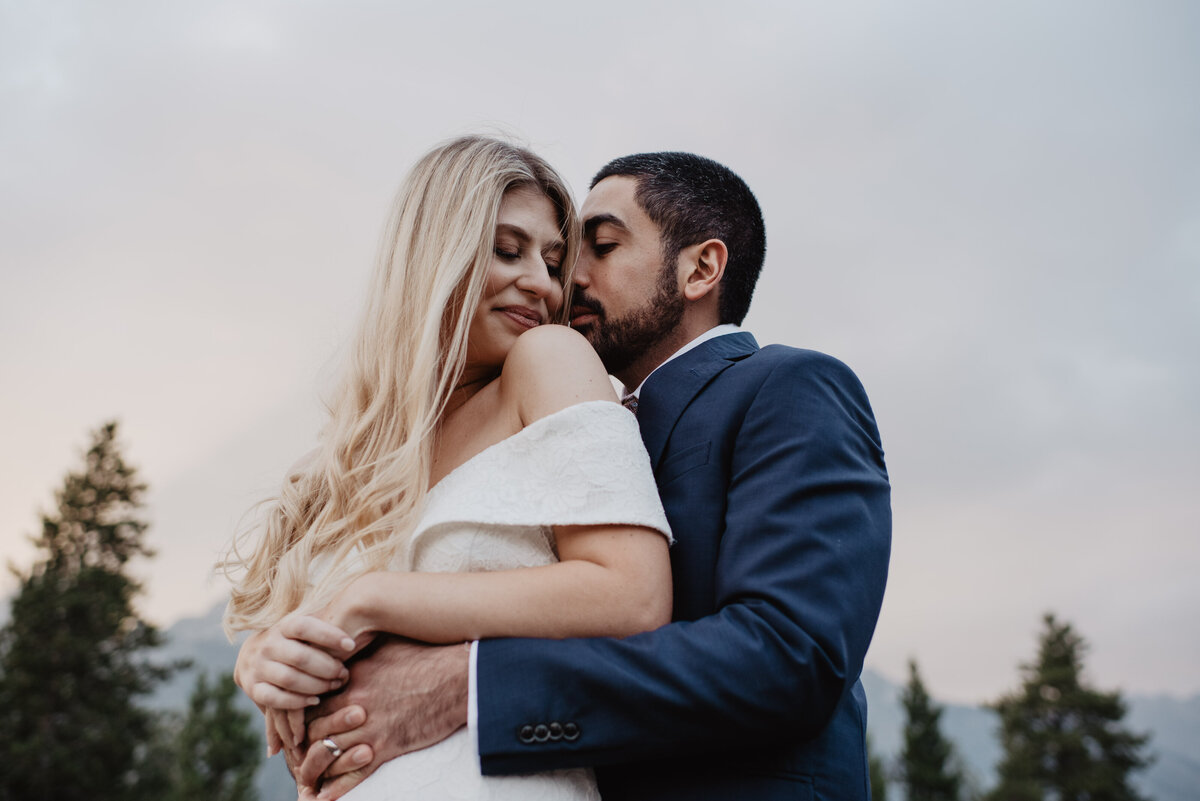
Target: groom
{"x": 770, "y": 468}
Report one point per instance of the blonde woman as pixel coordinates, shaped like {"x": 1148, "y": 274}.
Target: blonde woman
{"x": 476, "y": 477}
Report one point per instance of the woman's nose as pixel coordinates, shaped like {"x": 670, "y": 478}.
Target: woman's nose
{"x": 537, "y": 279}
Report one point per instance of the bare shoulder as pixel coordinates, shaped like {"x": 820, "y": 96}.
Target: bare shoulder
{"x": 550, "y": 368}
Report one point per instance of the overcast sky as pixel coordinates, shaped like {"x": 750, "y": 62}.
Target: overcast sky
{"x": 991, "y": 213}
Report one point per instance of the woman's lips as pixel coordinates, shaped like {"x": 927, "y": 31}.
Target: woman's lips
{"x": 522, "y": 316}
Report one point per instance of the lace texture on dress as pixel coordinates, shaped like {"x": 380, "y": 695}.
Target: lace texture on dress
{"x": 583, "y": 465}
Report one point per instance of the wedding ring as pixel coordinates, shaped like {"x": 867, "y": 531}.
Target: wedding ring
{"x": 332, "y": 746}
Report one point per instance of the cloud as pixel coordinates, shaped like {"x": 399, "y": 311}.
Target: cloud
{"x": 991, "y": 213}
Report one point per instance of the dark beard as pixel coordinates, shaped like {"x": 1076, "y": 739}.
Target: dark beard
{"x": 620, "y": 341}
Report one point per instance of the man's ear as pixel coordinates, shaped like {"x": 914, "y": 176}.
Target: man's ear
{"x": 703, "y": 265}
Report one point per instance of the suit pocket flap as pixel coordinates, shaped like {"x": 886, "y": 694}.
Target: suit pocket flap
{"x": 687, "y": 459}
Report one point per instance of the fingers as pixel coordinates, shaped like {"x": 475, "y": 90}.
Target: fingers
{"x": 279, "y": 730}
{"x": 340, "y": 722}
{"x": 295, "y": 721}
{"x": 294, "y": 670}
{"x": 352, "y": 760}
{"x": 344, "y": 730}
{"x": 283, "y": 686}
{"x": 292, "y": 754}
{"x": 315, "y": 763}
{"x": 279, "y": 668}
{"x": 271, "y": 697}
{"x": 319, "y": 632}
{"x": 338, "y": 787}
{"x": 284, "y": 661}
{"x": 274, "y": 743}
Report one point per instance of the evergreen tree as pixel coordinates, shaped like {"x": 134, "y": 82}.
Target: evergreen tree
{"x": 71, "y": 666}
{"x": 217, "y": 749}
{"x": 927, "y": 765}
{"x": 877, "y": 773}
{"x": 1062, "y": 739}
{"x": 155, "y": 759}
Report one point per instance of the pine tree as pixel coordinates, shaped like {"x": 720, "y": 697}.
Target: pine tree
{"x": 876, "y": 772}
{"x": 927, "y": 766}
{"x": 1061, "y": 738}
{"x": 71, "y": 655}
{"x": 217, "y": 749}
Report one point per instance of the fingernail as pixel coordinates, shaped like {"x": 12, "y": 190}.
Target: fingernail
{"x": 313, "y": 700}
{"x": 354, "y": 717}
{"x": 348, "y": 644}
{"x": 345, "y": 674}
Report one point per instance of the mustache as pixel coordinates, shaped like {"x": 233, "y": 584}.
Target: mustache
{"x": 581, "y": 298}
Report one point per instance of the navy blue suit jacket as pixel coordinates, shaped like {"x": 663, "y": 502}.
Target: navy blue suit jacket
{"x": 770, "y": 467}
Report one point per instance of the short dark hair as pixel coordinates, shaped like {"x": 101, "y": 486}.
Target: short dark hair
{"x": 692, "y": 199}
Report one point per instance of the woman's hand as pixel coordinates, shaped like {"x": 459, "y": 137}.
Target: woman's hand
{"x": 283, "y": 727}
{"x": 353, "y": 609}
{"x": 288, "y": 665}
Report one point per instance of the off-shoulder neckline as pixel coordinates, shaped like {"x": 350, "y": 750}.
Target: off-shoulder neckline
{"x": 536, "y": 424}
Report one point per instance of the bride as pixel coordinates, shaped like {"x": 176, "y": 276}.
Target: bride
{"x": 476, "y": 477}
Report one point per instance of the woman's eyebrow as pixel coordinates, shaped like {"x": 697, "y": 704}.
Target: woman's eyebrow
{"x": 515, "y": 230}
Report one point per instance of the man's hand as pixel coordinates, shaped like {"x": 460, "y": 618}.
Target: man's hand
{"x": 401, "y": 697}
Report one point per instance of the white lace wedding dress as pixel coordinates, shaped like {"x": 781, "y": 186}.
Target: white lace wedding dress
{"x": 582, "y": 465}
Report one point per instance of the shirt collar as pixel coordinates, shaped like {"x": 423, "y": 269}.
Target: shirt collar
{"x": 712, "y": 333}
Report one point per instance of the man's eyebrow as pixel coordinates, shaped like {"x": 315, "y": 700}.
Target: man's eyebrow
{"x": 592, "y": 223}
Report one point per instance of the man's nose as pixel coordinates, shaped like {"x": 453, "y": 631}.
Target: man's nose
{"x": 581, "y": 276}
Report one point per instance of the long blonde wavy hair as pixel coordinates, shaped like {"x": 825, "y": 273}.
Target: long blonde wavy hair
{"x": 352, "y": 505}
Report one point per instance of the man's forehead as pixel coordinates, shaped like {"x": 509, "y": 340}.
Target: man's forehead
{"x": 613, "y": 200}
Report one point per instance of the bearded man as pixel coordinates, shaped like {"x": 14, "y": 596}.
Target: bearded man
{"x": 771, "y": 471}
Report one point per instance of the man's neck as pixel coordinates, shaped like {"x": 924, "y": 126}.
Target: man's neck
{"x": 667, "y": 349}
{"x": 650, "y": 360}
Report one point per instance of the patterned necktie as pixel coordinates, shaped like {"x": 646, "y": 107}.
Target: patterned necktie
{"x": 630, "y": 402}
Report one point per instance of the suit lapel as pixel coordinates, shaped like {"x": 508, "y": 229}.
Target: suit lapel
{"x": 674, "y": 385}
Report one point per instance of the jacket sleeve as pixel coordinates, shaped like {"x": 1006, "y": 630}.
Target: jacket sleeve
{"x": 799, "y": 582}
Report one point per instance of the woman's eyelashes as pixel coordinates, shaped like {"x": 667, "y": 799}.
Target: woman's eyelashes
{"x": 515, "y": 254}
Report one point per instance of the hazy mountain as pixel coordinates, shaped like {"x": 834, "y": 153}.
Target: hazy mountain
{"x": 1174, "y": 723}
{"x": 201, "y": 640}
